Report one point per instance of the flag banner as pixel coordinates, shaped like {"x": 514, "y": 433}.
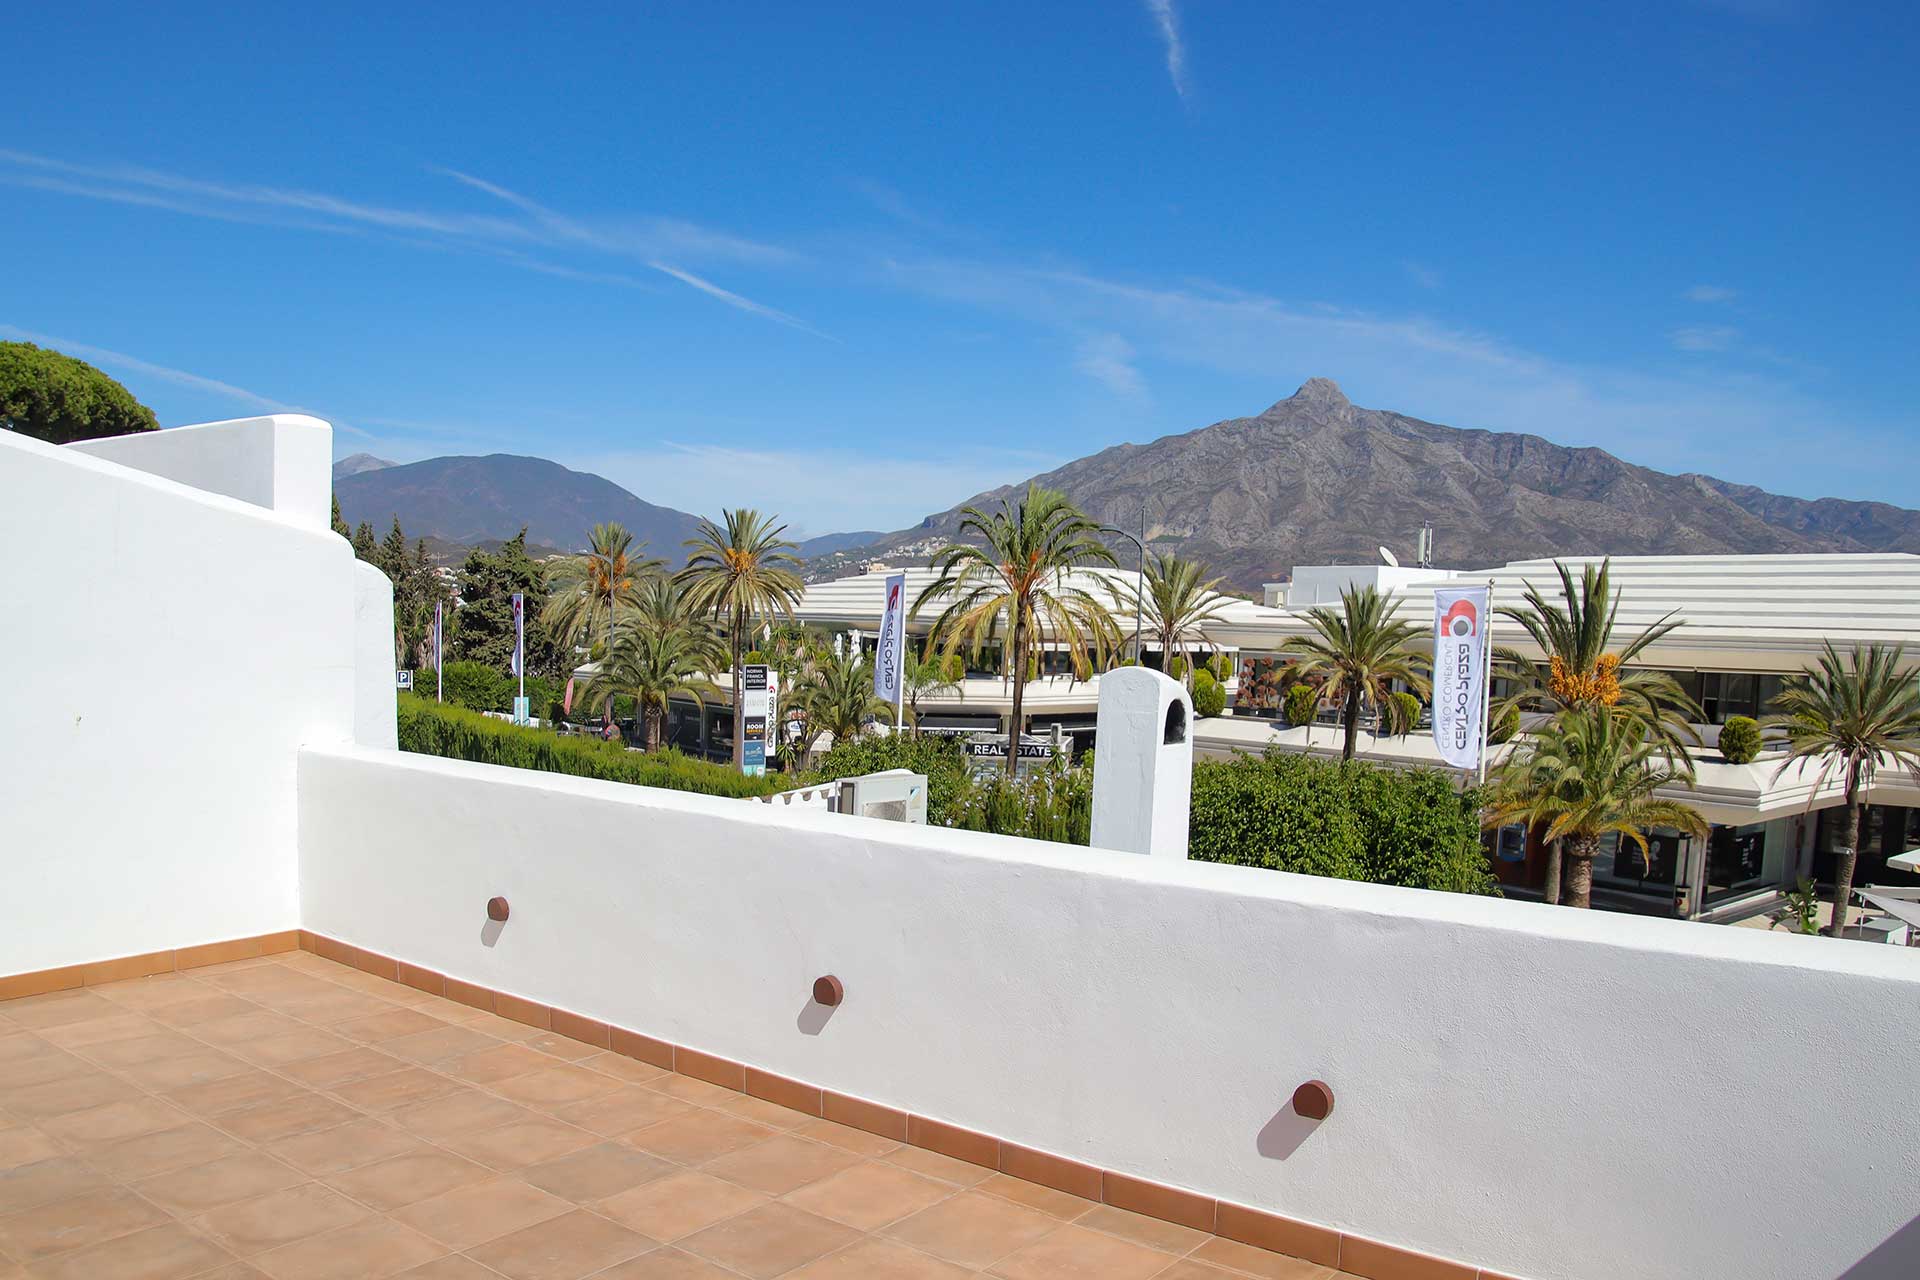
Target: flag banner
{"x": 892, "y": 650}
{"x": 566, "y": 703}
{"x": 439, "y": 640}
{"x": 519, "y": 633}
{"x": 1459, "y": 673}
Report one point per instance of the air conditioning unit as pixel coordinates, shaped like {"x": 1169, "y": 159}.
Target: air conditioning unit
{"x": 897, "y": 795}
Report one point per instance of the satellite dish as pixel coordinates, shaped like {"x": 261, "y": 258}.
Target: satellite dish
{"x": 1389, "y": 557}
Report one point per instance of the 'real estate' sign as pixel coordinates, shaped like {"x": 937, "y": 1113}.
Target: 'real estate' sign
{"x": 996, "y": 749}
{"x": 756, "y": 709}
{"x": 1460, "y": 674}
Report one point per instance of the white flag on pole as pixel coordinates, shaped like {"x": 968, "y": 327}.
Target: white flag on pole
{"x": 892, "y": 647}
{"x": 1459, "y": 673}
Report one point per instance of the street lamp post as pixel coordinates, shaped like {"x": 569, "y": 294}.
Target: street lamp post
{"x": 1140, "y": 587}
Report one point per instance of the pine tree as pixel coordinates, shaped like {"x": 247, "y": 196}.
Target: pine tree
{"x": 363, "y": 544}
{"x": 339, "y": 521}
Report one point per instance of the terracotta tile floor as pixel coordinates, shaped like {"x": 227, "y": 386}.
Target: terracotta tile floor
{"x": 291, "y": 1118}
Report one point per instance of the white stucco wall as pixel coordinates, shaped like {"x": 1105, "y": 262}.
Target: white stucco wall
{"x": 169, "y": 651}
{"x": 282, "y": 461}
{"x": 374, "y": 710}
{"x": 1541, "y": 1091}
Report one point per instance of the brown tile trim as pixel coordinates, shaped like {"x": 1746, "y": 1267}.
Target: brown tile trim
{"x": 534, "y": 1015}
{"x": 1169, "y": 1204}
{"x": 952, "y": 1140}
{"x": 1496, "y": 1275}
{"x": 1376, "y": 1261}
{"x": 419, "y": 979}
{"x": 704, "y": 1066}
{"x": 265, "y": 944}
{"x": 126, "y": 967}
{"x": 784, "y": 1092}
{"x": 41, "y": 981}
{"x": 585, "y": 1030}
{"x": 468, "y": 994}
{"x": 632, "y": 1044}
{"x": 1276, "y": 1234}
{"x": 858, "y": 1113}
{"x": 1320, "y": 1245}
{"x": 1082, "y": 1180}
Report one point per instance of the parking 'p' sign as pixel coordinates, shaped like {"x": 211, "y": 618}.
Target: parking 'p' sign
{"x": 403, "y": 679}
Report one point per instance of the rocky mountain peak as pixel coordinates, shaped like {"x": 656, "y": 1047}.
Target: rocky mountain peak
{"x": 1315, "y": 393}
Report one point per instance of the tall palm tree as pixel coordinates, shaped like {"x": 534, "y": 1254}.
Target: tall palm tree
{"x": 1356, "y": 653}
{"x": 836, "y": 697}
{"x": 651, "y": 667}
{"x": 597, "y": 583}
{"x": 1854, "y": 716}
{"x": 1583, "y": 669}
{"x": 1017, "y": 581}
{"x": 1176, "y": 600}
{"x": 738, "y": 571}
{"x": 1588, "y": 772}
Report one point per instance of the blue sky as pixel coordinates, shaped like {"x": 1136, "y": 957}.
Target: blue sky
{"x": 854, "y": 264}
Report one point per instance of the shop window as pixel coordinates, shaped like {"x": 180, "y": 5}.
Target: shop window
{"x": 1737, "y": 860}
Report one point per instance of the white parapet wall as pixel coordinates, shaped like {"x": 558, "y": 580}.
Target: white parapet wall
{"x": 1538, "y": 1091}
{"x": 283, "y": 461}
{"x": 170, "y": 650}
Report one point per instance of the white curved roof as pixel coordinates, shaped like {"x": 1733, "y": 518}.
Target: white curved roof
{"x": 1738, "y": 613}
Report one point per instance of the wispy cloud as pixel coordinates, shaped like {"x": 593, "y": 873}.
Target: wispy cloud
{"x": 1167, "y": 19}
{"x": 650, "y": 241}
{"x": 1704, "y": 337}
{"x": 1425, "y": 277}
{"x": 1711, "y": 293}
{"x": 568, "y": 229}
{"x": 1108, "y": 358}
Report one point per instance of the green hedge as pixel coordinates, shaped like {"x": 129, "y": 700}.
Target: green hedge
{"x": 1356, "y": 821}
{"x": 479, "y": 687}
{"x": 433, "y": 729}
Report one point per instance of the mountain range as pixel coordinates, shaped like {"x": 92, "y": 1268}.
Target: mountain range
{"x": 1314, "y": 479}
{"x": 471, "y": 500}
{"x": 1317, "y": 480}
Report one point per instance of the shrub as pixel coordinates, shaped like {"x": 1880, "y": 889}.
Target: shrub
{"x": 1504, "y": 726}
{"x": 1740, "y": 739}
{"x": 1209, "y": 697}
{"x": 429, "y": 728}
{"x": 1222, "y": 667}
{"x": 753, "y": 658}
{"x": 953, "y": 667}
{"x": 1303, "y": 702}
{"x": 1406, "y": 711}
{"x": 1177, "y": 668}
{"x": 477, "y": 687}
{"x": 1356, "y": 821}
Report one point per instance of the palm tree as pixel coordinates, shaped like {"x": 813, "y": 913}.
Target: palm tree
{"x": 1587, "y": 772}
{"x": 1582, "y": 669}
{"x": 651, "y": 667}
{"x": 1854, "y": 716}
{"x": 924, "y": 678}
{"x": 837, "y": 697}
{"x": 1176, "y": 599}
{"x": 1018, "y": 582}
{"x": 738, "y": 572}
{"x": 599, "y": 581}
{"x": 1356, "y": 654}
